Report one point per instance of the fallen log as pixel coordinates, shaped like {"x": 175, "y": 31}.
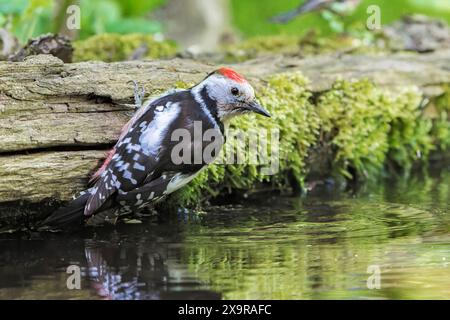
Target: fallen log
{"x": 57, "y": 120}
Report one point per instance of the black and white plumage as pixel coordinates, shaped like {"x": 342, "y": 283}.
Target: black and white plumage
{"x": 338, "y": 6}
{"x": 141, "y": 169}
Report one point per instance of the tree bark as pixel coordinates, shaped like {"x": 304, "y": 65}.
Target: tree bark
{"x": 57, "y": 120}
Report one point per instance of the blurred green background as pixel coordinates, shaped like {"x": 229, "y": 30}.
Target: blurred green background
{"x": 251, "y": 19}
{"x": 30, "y": 18}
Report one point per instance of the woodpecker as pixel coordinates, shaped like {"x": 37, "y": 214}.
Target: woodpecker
{"x": 141, "y": 168}
{"x": 340, "y": 7}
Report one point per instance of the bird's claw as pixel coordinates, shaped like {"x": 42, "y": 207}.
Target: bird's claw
{"x": 139, "y": 93}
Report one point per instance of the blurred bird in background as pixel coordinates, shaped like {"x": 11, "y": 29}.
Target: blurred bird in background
{"x": 338, "y": 7}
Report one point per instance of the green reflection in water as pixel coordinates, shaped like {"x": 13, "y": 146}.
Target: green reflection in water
{"x": 321, "y": 248}
{"x": 270, "y": 247}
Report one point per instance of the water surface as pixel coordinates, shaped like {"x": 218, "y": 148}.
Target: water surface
{"x": 271, "y": 247}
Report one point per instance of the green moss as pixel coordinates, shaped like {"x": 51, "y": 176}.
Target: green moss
{"x": 309, "y": 44}
{"x": 288, "y": 99}
{"x": 443, "y": 101}
{"x": 365, "y": 128}
{"x": 441, "y": 127}
{"x": 256, "y": 46}
{"x": 441, "y": 131}
{"x": 183, "y": 85}
{"x": 116, "y": 47}
{"x": 366, "y": 124}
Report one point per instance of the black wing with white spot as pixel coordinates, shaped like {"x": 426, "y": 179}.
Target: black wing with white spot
{"x": 138, "y": 153}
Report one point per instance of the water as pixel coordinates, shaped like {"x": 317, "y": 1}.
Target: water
{"x": 271, "y": 247}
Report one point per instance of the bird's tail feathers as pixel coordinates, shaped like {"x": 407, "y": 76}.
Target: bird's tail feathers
{"x": 71, "y": 214}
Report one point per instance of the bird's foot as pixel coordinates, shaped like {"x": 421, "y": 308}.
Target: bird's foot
{"x": 139, "y": 93}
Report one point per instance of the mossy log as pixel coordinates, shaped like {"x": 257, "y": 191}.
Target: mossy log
{"x": 57, "y": 120}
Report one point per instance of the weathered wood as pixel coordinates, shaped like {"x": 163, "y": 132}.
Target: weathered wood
{"x": 57, "y": 120}
{"x": 44, "y": 174}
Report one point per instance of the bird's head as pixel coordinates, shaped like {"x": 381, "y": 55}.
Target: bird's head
{"x": 229, "y": 94}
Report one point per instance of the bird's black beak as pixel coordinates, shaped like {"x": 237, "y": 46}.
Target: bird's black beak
{"x": 257, "y": 108}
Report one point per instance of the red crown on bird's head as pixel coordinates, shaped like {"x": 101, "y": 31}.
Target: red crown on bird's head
{"x": 231, "y": 74}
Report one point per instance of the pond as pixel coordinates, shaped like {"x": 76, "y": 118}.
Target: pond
{"x": 387, "y": 241}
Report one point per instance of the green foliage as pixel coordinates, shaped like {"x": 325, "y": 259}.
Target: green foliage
{"x": 106, "y": 16}
{"x": 135, "y": 8}
{"x": 263, "y": 10}
{"x": 27, "y": 18}
{"x": 31, "y": 18}
{"x": 116, "y": 47}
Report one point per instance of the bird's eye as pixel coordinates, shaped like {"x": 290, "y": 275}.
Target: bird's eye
{"x": 234, "y": 91}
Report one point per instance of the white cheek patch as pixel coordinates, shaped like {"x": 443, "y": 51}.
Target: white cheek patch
{"x": 151, "y": 138}
{"x": 249, "y": 92}
{"x": 218, "y": 89}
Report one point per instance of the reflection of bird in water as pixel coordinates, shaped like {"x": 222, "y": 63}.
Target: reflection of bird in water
{"x": 340, "y": 7}
{"x": 141, "y": 271}
{"x": 116, "y": 273}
